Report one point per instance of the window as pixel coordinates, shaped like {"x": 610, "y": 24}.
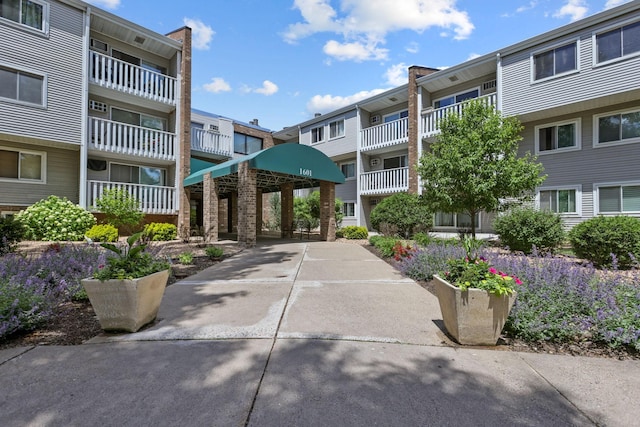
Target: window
{"x": 246, "y": 144}
{"x": 138, "y": 174}
{"x": 456, "y": 98}
{"x": 317, "y": 134}
{"x": 396, "y": 116}
{"x": 559, "y": 201}
{"x": 619, "y": 198}
{"x": 453, "y": 220}
{"x": 21, "y": 86}
{"x": 622, "y": 127}
{"x": 556, "y": 61}
{"x": 336, "y": 129}
{"x": 348, "y": 170}
{"x": 618, "y": 43}
{"x": 30, "y": 13}
{"x": 349, "y": 209}
{"x": 22, "y": 165}
{"x": 558, "y": 136}
{"x": 137, "y": 119}
{"x": 395, "y": 162}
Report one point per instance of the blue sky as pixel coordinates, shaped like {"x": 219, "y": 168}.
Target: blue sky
{"x": 281, "y": 61}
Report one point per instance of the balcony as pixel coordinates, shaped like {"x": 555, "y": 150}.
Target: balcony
{"x": 430, "y": 120}
{"x": 214, "y": 143}
{"x": 386, "y": 181}
{"x": 385, "y": 135}
{"x": 154, "y": 199}
{"x": 121, "y": 138}
{"x": 128, "y": 78}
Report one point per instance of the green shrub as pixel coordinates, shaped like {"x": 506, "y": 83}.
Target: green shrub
{"x": 384, "y": 244}
{"x": 120, "y": 208}
{"x": 55, "y": 219}
{"x": 355, "y": 232}
{"x": 11, "y": 233}
{"x": 213, "y": 251}
{"x": 102, "y": 233}
{"x": 597, "y": 238}
{"x": 422, "y": 239}
{"x": 401, "y": 213}
{"x": 161, "y": 231}
{"x": 522, "y": 228}
{"x": 185, "y": 258}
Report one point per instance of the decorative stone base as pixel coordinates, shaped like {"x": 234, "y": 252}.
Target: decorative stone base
{"x": 126, "y": 305}
{"x": 475, "y": 316}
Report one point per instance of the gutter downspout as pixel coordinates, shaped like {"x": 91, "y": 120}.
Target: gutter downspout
{"x": 84, "y": 155}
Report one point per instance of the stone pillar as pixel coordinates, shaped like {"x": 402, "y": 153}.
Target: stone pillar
{"x": 286, "y": 208}
{"x": 210, "y": 209}
{"x": 258, "y": 212}
{"x": 414, "y": 124}
{"x": 247, "y": 189}
{"x": 233, "y": 211}
{"x": 183, "y": 129}
{"x": 327, "y": 211}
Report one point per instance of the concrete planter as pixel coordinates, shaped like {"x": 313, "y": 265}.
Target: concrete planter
{"x": 475, "y": 316}
{"x": 126, "y": 305}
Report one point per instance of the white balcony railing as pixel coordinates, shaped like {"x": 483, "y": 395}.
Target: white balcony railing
{"x": 430, "y": 120}
{"x": 115, "y": 74}
{"x": 385, "y": 181}
{"x": 384, "y": 135}
{"x": 154, "y": 199}
{"x": 116, "y": 137}
{"x": 211, "y": 142}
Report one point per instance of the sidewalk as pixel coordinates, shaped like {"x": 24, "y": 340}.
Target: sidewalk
{"x": 305, "y": 333}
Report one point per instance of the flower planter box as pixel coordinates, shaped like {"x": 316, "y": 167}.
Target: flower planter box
{"x": 129, "y": 304}
{"x": 475, "y": 316}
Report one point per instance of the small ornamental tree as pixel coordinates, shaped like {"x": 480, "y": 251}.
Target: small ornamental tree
{"x": 401, "y": 213}
{"x": 306, "y": 211}
{"x": 474, "y": 163}
{"x": 120, "y": 208}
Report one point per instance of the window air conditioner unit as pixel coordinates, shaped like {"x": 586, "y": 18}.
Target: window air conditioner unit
{"x": 374, "y": 120}
{"x": 373, "y": 162}
{"x": 99, "y": 45}
{"x": 214, "y": 128}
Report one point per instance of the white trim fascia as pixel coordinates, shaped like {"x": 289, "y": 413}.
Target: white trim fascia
{"x": 578, "y": 137}
{"x": 84, "y": 149}
{"x": 499, "y": 82}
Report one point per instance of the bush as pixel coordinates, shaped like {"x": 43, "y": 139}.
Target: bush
{"x": 185, "y": 258}
{"x": 432, "y": 259}
{"x": 213, "y": 252}
{"x": 597, "y": 239}
{"x": 55, "y": 219}
{"x": 160, "y": 231}
{"x": 120, "y": 208}
{"x": 102, "y": 233}
{"x": 384, "y": 244}
{"x": 11, "y": 233}
{"x": 402, "y": 213}
{"x": 422, "y": 239}
{"x": 523, "y": 228}
{"x": 355, "y": 232}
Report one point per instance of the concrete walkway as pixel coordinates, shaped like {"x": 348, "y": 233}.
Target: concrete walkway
{"x": 305, "y": 333}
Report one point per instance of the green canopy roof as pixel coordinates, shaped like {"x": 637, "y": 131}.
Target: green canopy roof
{"x": 301, "y": 164}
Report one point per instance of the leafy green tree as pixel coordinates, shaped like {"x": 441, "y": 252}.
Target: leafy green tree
{"x": 401, "y": 213}
{"x": 306, "y": 211}
{"x": 120, "y": 208}
{"x": 474, "y": 163}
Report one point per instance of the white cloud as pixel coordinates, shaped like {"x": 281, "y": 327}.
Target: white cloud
{"x": 268, "y": 88}
{"x": 107, "y": 4}
{"x": 364, "y": 24}
{"x": 217, "y": 85}
{"x": 326, "y": 103}
{"x": 201, "y": 33}
{"x": 614, "y": 3}
{"x": 412, "y": 47}
{"x": 575, "y": 9}
{"x": 473, "y": 56}
{"x": 396, "y": 75}
{"x": 529, "y": 6}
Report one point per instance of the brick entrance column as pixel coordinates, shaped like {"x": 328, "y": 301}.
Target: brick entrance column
{"x": 286, "y": 210}
{"x": 327, "y": 211}
{"x": 259, "y": 212}
{"x": 247, "y": 189}
{"x": 210, "y": 209}
{"x": 233, "y": 211}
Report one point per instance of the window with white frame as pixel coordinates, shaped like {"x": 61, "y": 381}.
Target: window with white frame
{"x": 617, "y": 199}
{"x": 453, "y": 220}
{"x": 138, "y": 119}
{"x": 560, "y": 200}
{"x": 395, "y": 116}
{"x": 349, "y": 209}
{"x": 558, "y": 136}
{"x": 30, "y": 13}
{"x": 456, "y": 98}
{"x": 617, "y": 43}
{"x": 131, "y": 174}
{"x": 19, "y": 165}
{"x": 22, "y": 86}
{"x": 395, "y": 162}
{"x": 348, "y": 170}
{"x": 336, "y": 129}
{"x": 619, "y": 127}
{"x": 317, "y": 134}
{"x": 557, "y": 61}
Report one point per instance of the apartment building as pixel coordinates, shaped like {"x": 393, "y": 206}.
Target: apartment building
{"x": 576, "y": 89}
{"x": 90, "y": 101}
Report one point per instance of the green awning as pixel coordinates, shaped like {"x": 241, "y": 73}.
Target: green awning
{"x": 303, "y": 165}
